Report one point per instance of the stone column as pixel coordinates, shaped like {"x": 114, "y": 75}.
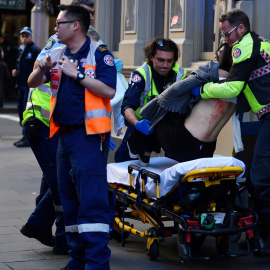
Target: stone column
{"x": 40, "y": 22}
{"x": 136, "y": 31}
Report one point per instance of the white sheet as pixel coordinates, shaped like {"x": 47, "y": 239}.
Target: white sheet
{"x": 169, "y": 170}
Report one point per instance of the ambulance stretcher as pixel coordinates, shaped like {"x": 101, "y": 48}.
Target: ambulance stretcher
{"x": 198, "y": 196}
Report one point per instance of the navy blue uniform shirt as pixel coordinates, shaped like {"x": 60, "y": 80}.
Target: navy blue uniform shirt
{"x": 25, "y": 63}
{"x": 137, "y": 84}
{"x": 70, "y": 104}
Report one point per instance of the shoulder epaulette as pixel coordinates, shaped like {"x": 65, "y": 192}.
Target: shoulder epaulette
{"x": 102, "y": 48}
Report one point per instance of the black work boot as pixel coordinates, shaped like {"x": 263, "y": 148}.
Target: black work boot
{"x": 46, "y": 238}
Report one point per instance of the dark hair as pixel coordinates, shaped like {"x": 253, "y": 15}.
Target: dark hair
{"x": 224, "y": 56}
{"x": 161, "y": 44}
{"x": 77, "y": 13}
{"x": 89, "y": 3}
{"x": 236, "y": 17}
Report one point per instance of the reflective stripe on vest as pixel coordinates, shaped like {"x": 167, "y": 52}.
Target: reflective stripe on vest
{"x": 97, "y": 114}
{"x": 42, "y": 111}
{"x": 39, "y": 104}
{"x": 45, "y": 88}
{"x": 97, "y": 109}
{"x": 263, "y": 70}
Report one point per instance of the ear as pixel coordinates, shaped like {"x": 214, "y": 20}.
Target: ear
{"x": 76, "y": 25}
{"x": 242, "y": 29}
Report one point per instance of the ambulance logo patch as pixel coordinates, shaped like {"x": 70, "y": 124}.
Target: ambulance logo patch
{"x": 136, "y": 78}
{"x": 83, "y": 61}
{"x": 90, "y": 73}
{"x": 108, "y": 60}
{"x": 167, "y": 86}
{"x": 49, "y": 44}
{"x": 236, "y": 53}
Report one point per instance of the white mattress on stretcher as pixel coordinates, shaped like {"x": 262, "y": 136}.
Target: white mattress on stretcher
{"x": 170, "y": 171}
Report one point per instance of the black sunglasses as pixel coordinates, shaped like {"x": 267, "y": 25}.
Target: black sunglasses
{"x": 58, "y": 23}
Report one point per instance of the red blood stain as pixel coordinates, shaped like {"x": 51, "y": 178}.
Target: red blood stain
{"x": 218, "y": 110}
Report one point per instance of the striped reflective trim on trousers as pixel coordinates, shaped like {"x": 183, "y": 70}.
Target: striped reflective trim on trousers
{"x": 94, "y": 227}
{"x": 58, "y": 208}
{"x": 71, "y": 229}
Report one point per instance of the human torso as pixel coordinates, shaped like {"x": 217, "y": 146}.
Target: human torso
{"x": 70, "y": 104}
{"x": 208, "y": 117}
{"x": 70, "y": 96}
{"x": 25, "y": 63}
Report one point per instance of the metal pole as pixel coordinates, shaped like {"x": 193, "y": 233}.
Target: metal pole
{"x": 40, "y": 22}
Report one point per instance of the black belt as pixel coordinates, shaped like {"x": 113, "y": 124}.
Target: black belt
{"x": 68, "y": 129}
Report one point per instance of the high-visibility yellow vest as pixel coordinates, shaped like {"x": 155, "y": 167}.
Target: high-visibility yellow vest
{"x": 38, "y": 104}
{"x": 150, "y": 87}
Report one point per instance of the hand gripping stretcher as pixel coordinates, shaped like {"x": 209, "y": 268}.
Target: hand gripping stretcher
{"x": 198, "y": 196}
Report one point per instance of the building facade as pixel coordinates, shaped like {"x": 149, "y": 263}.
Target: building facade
{"x": 127, "y": 26}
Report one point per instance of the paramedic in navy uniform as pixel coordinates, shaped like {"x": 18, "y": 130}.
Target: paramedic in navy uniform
{"x": 47, "y": 210}
{"x": 83, "y": 77}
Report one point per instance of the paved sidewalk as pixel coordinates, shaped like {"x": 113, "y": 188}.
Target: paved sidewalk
{"x": 20, "y": 180}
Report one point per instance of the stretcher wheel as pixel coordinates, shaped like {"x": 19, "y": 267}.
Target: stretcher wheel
{"x": 222, "y": 244}
{"x": 117, "y": 232}
{"x": 153, "y": 251}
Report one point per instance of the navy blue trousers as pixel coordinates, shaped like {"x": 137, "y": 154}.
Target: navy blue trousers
{"x": 122, "y": 154}
{"x": 260, "y": 172}
{"x": 85, "y": 199}
{"x": 49, "y": 208}
{"x": 22, "y": 100}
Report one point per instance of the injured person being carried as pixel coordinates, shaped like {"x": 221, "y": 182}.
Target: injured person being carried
{"x": 185, "y": 126}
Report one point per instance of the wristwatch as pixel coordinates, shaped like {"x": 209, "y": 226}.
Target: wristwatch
{"x": 80, "y": 76}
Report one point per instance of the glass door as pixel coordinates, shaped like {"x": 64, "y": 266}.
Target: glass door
{"x": 212, "y": 9}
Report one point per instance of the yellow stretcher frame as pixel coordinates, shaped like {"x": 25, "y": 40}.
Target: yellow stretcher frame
{"x": 210, "y": 176}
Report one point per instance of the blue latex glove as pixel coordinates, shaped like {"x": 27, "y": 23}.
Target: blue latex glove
{"x": 196, "y": 91}
{"x": 143, "y": 126}
{"x": 112, "y": 144}
{"x": 118, "y": 64}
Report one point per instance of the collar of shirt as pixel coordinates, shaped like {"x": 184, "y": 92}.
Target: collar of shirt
{"x": 162, "y": 81}
{"x": 80, "y": 52}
